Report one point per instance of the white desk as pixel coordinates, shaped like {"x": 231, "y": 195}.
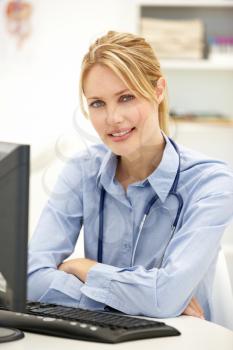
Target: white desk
{"x": 196, "y": 335}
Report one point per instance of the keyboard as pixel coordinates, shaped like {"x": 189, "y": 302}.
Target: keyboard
{"x": 76, "y": 323}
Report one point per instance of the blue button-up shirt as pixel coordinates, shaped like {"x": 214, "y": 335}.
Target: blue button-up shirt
{"x": 144, "y": 287}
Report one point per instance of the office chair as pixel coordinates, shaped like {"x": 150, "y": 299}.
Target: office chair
{"x": 222, "y": 294}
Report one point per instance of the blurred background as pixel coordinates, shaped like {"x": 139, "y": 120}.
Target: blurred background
{"x": 42, "y": 43}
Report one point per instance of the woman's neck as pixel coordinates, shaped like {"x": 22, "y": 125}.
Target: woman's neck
{"x": 141, "y": 165}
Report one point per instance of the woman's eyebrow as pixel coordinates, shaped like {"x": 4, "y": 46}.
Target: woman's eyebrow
{"x": 116, "y": 94}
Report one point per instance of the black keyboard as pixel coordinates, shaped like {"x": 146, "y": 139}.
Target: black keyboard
{"x": 76, "y": 323}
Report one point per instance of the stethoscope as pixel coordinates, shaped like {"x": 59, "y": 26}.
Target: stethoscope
{"x": 173, "y": 192}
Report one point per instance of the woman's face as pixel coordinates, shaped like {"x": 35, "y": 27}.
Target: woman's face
{"x": 113, "y": 108}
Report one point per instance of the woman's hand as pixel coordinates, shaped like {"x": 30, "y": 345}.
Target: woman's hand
{"x": 77, "y": 267}
{"x": 194, "y": 309}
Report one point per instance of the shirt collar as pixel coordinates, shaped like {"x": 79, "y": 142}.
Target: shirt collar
{"x": 164, "y": 175}
{"x": 162, "y": 178}
{"x": 107, "y": 169}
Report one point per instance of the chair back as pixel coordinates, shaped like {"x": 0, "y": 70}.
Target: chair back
{"x": 222, "y": 294}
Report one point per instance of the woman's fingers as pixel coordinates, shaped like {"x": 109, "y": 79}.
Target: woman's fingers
{"x": 194, "y": 309}
{"x": 198, "y": 306}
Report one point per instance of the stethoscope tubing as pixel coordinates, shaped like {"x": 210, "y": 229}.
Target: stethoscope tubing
{"x": 173, "y": 192}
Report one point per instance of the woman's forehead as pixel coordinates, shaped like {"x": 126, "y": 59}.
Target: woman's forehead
{"x": 101, "y": 80}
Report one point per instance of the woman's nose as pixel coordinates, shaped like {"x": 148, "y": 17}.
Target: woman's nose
{"x": 113, "y": 115}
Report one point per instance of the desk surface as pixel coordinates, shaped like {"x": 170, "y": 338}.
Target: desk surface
{"x": 196, "y": 334}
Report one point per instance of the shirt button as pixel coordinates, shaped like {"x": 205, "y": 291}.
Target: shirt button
{"x": 127, "y": 246}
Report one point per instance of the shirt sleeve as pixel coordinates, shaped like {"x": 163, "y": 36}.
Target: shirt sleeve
{"x": 54, "y": 240}
{"x": 166, "y": 292}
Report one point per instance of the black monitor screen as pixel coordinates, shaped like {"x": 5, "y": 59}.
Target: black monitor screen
{"x": 14, "y": 194}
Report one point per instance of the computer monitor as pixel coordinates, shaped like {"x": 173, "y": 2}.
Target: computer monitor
{"x": 14, "y": 198}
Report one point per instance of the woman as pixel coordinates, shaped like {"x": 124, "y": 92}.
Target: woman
{"x": 160, "y": 265}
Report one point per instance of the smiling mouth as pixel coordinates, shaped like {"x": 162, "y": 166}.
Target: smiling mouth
{"x": 121, "y": 135}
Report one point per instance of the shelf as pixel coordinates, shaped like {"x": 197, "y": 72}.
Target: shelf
{"x": 203, "y": 121}
{"x": 197, "y": 3}
{"x": 214, "y": 73}
{"x": 203, "y": 64}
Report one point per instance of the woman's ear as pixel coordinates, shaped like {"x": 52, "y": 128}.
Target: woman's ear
{"x": 160, "y": 89}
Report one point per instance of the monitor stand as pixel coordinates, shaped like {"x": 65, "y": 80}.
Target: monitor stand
{"x": 9, "y": 334}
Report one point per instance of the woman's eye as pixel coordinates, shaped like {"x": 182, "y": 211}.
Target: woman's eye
{"x": 126, "y": 98}
{"x": 96, "y": 104}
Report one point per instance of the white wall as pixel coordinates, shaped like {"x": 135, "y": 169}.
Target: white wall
{"x": 39, "y": 84}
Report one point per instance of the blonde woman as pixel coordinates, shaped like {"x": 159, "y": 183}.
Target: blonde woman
{"x": 153, "y": 211}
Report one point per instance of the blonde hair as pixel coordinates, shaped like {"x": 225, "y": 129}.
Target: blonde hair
{"x": 133, "y": 60}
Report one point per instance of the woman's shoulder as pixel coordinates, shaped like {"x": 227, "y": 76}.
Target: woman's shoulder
{"x": 204, "y": 169}
{"x": 81, "y": 167}
{"x": 87, "y": 160}
{"x": 192, "y": 159}
{"x": 91, "y": 155}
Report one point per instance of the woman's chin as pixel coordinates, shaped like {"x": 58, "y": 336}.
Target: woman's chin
{"x": 125, "y": 151}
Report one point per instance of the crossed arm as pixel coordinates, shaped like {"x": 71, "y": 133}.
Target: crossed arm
{"x": 80, "y": 267}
